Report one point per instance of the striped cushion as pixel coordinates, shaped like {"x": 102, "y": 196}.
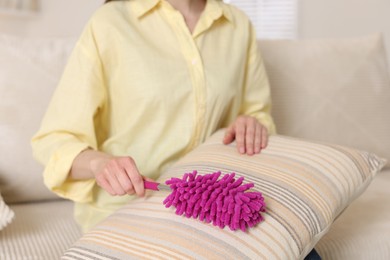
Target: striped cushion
{"x": 366, "y": 236}
{"x": 306, "y": 185}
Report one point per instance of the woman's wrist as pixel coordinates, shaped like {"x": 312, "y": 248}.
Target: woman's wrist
{"x": 88, "y": 164}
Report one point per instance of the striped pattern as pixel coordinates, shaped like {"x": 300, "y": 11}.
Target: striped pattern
{"x": 363, "y": 230}
{"x": 306, "y": 185}
{"x": 6, "y": 214}
{"x": 39, "y": 231}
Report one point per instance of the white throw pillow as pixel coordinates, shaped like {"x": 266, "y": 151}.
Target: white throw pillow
{"x": 6, "y": 214}
{"x": 331, "y": 90}
{"x": 29, "y": 72}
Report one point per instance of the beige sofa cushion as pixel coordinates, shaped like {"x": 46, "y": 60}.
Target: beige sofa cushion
{"x": 29, "y": 72}
{"x": 39, "y": 231}
{"x": 331, "y": 90}
{"x": 306, "y": 185}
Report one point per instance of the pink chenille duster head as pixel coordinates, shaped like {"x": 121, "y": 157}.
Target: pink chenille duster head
{"x": 223, "y": 202}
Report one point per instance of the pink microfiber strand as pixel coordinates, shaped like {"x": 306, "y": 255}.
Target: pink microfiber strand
{"x": 224, "y": 202}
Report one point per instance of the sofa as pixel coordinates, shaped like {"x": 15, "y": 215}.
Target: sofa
{"x": 324, "y": 91}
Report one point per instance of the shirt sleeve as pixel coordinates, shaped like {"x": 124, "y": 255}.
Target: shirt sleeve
{"x": 257, "y": 96}
{"x": 70, "y": 123}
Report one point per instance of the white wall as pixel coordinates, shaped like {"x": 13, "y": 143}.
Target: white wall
{"x": 55, "y": 18}
{"x": 344, "y": 18}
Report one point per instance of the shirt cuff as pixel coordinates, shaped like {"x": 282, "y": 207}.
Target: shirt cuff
{"x": 57, "y": 178}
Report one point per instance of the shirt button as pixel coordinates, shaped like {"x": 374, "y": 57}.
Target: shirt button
{"x": 194, "y": 61}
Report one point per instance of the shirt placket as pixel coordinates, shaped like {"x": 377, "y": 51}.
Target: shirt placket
{"x": 193, "y": 58}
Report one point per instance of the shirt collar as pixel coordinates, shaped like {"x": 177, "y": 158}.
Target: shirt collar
{"x": 142, "y": 7}
{"x": 217, "y": 8}
{"x": 221, "y": 9}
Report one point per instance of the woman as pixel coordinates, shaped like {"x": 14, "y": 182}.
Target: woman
{"x": 147, "y": 82}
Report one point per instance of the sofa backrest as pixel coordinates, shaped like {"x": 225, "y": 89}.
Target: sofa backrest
{"x": 333, "y": 90}
{"x": 29, "y": 72}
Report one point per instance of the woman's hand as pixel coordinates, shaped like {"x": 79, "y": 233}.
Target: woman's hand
{"x": 250, "y": 135}
{"x": 116, "y": 175}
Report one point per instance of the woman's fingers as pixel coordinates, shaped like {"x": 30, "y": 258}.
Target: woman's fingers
{"x": 258, "y": 138}
{"x": 229, "y": 135}
{"x": 102, "y": 182}
{"x": 251, "y": 136}
{"x": 135, "y": 177}
{"x": 240, "y": 135}
{"x": 125, "y": 183}
{"x": 120, "y": 176}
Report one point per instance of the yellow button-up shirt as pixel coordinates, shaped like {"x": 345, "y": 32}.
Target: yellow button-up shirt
{"x": 140, "y": 84}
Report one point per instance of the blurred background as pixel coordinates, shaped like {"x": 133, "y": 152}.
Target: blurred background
{"x": 300, "y": 19}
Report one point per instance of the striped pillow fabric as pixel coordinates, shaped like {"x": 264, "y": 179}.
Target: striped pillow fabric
{"x": 306, "y": 185}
